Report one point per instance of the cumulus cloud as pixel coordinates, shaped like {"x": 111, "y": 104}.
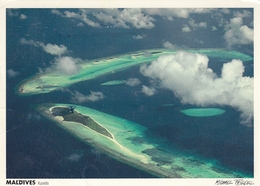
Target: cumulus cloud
{"x": 52, "y": 49}
{"x": 77, "y": 97}
{"x": 139, "y": 36}
{"x": 192, "y": 25}
{"x": 169, "y": 45}
{"x": 133, "y": 82}
{"x": 11, "y": 12}
{"x": 129, "y": 17}
{"x": 213, "y": 28}
{"x": 125, "y": 18}
{"x": 169, "y": 13}
{"x": 187, "y": 75}
{"x": 66, "y": 65}
{"x": 149, "y": 91}
{"x": 81, "y": 15}
{"x": 186, "y": 28}
{"x": 238, "y": 34}
{"x": 80, "y": 25}
{"x": 11, "y": 73}
{"x": 244, "y": 13}
{"x": 24, "y": 41}
{"x": 22, "y": 16}
{"x": 195, "y": 25}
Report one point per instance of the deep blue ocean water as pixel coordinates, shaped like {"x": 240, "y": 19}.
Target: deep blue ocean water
{"x": 37, "y": 148}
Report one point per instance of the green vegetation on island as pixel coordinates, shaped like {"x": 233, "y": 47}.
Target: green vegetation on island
{"x": 79, "y": 118}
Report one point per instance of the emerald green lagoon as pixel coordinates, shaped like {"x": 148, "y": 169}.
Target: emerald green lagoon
{"x": 202, "y": 112}
{"x": 54, "y": 80}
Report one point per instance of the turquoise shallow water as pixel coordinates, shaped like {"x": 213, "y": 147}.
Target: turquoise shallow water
{"x": 202, "y": 112}
{"x": 114, "y": 82}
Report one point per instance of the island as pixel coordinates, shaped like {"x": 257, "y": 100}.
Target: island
{"x": 128, "y": 142}
{"x": 54, "y": 80}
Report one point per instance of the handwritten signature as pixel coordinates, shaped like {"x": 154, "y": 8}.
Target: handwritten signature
{"x": 237, "y": 182}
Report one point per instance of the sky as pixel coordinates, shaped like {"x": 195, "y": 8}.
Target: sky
{"x": 177, "y": 28}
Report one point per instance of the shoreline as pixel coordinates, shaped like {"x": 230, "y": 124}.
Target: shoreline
{"x": 125, "y": 149}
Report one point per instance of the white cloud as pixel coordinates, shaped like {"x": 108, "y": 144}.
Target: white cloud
{"x": 22, "y": 16}
{"x": 244, "y": 13}
{"x": 52, "y": 49}
{"x": 169, "y": 45}
{"x": 219, "y": 15}
{"x": 149, "y": 91}
{"x": 139, "y": 36}
{"x": 109, "y": 19}
{"x": 236, "y": 33}
{"x": 81, "y": 15}
{"x": 23, "y": 41}
{"x": 129, "y": 17}
{"x": 125, "y": 18}
{"x": 11, "y": 73}
{"x": 195, "y": 25}
{"x": 187, "y": 75}
{"x": 66, "y": 65}
{"x": 186, "y": 28}
{"x": 80, "y": 98}
{"x": 169, "y": 13}
{"x": 11, "y": 12}
{"x": 133, "y": 82}
{"x": 213, "y": 28}
{"x": 57, "y": 12}
{"x": 80, "y": 25}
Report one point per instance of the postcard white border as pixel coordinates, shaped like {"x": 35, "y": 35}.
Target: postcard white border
{"x": 126, "y": 4}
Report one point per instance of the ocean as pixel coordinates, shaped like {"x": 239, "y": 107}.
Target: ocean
{"x": 37, "y": 148}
